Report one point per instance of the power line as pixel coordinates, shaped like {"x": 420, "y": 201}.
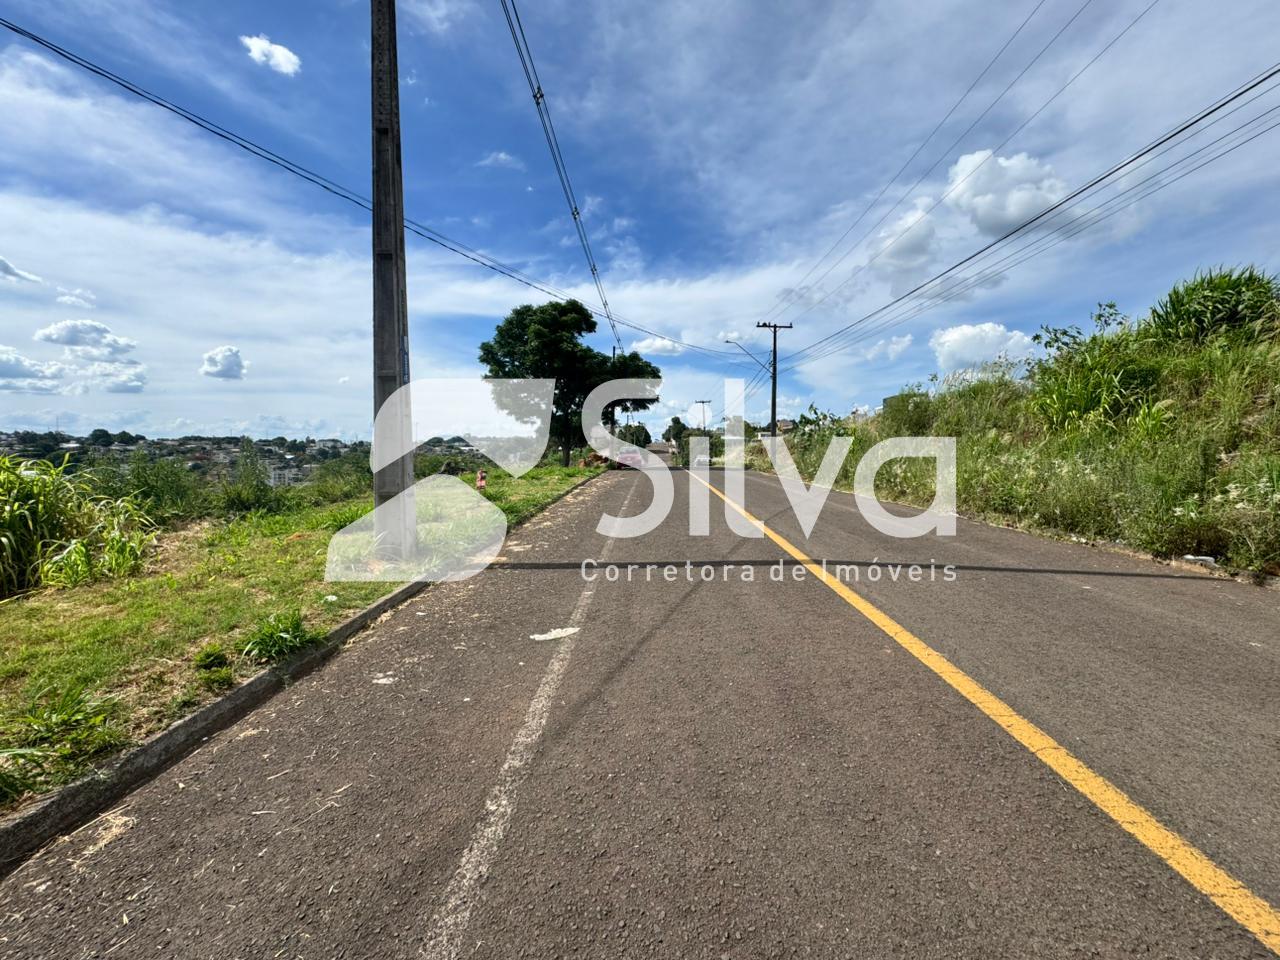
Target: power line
{"x": 1087, "y": 220}
{"x": 332, "y": 187}
{"x": 1153, "y": 148}
{"x": 1062, "y": 232}
{"x": 785, "y": 305}
{"x": 553, "y": 144}
{"x": 992, "y": 153}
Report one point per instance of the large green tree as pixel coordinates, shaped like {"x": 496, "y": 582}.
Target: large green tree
{"x": 675, "y": 431}
{"x": 636, "y": 434}
{"x": 546, "y": 342}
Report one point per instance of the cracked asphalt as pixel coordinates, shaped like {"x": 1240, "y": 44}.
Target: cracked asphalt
{"x": 712, "y": 766}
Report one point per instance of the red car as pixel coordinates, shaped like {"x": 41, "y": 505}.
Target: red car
{"x": 630, "y": 457}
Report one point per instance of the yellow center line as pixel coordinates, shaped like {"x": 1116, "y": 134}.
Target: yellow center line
{"x": 1238, "y": 901}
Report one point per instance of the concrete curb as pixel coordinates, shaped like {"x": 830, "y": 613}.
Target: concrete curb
{"x": 66, "y": 809}
{"x": 71, "y": 807}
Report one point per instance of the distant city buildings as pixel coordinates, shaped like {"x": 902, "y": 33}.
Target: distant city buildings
{"x": 288, "y": 462}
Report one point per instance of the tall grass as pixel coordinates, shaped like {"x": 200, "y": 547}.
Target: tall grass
{"x": 165, "y": 490}
{"x": 56, "y": 529}
{"x": 1163, "y": 433}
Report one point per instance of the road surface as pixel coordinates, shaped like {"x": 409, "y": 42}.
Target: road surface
{"x": 685, "y": 763}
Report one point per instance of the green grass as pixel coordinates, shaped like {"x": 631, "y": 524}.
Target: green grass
{"x": 1161, "y": 434}
{"x": 216, "y": 601}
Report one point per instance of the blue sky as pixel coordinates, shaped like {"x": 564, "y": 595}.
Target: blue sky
{"x": 154, "y": 278}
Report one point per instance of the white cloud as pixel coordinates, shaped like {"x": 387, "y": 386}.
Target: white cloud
{"x": 11, "y": 273}
{"x": 971, "y": 344}
{"x": 75, "y": 131}
{"x": 279, "y": 58}
{"x": 500, "y": 158}
{"x": 436, "y": 16}
{"x": 94, "y": 357}
{"x": 14, "y": 366}
{"x": 224, "y": 363}
{"x": 998, "y": 193}
{"x": 890, "y": 349}
{"x": 119, "y": 376}
{"x": 86, "y": 338}
{"x": 906, "y": 248}
{"x": 84, "y": 299}
{"x": 657, "y": 346}
{"x": 344, "y": 379}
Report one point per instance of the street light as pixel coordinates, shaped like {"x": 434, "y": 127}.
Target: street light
{"x": 763, "y": 365}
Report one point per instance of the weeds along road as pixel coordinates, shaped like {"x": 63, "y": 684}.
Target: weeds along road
{"x": 724, "y": 768}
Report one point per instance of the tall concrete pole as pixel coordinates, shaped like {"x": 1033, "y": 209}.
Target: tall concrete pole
{"x": 395, "y": 528}
{"x": 773, "y": 406}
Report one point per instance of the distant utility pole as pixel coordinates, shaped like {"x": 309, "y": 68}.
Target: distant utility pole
{"x": 773, "y": 404}
{"x": 704, "y": 403}
{"x": 390, "y": 303}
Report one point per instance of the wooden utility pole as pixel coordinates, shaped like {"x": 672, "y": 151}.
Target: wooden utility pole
{"x": 773, "y": 404}
{"x": 705, "y": 404}
{"x": 390, "y": 302}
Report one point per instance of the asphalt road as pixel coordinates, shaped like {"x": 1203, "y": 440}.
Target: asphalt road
{"x": 694, "y": 767}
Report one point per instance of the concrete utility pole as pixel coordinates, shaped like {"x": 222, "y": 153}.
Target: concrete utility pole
{"x": 773, "y": 404}
{"x": 396, "y": 534}
{"x": 704, "y": 411}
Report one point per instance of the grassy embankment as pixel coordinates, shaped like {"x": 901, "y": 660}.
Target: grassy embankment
{"x": 1162, "y": 434}
{"x": 89, "y": 667}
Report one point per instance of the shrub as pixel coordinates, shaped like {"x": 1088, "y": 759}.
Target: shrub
{"x": 1094, "y": 381}
{"x": 249, "y": 489}
{"x": 908, "y": 414}
{"x": 343, "y": 479}
{"x": 165, "y": 487}
{"x": 1217, "y": 301}
{"x": 277, "y": 637}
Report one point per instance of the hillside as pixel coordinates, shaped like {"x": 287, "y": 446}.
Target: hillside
{"x": 1161, "y": 432}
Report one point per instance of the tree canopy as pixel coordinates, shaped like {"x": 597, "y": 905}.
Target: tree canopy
{"x": 636, "y": 434}
{"x": 676, "y": 429}
{"x": 546, "y": 342}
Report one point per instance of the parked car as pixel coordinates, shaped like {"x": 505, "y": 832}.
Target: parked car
{"x": 702, "y": 461}
{"x": 630, "y": 457}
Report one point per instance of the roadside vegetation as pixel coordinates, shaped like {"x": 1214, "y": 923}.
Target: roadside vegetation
{"x": 218, "y": 582}
{"x": 1161, "y": 433}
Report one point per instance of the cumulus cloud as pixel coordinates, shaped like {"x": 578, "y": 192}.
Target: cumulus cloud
{"x": 657, "y": 347}
{"x": 14, "y": 366}
{"x": 890, "y": 349}
{"x": 86, "y": 338}
{"x": 971, "y": 344}
{"x": 279, "y": 58}
{"x": 94, "y": 357}
{"x": 224, "y": 363}
{"x": 11, "y": 273}
{"x": 19, "y": 374}
{"x": 500, "y": 158}
{"x": 998, "y": 193}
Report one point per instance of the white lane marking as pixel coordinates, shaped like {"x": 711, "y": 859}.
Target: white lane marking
{"x": 559, "y": 634}
{"x": 449, "y": 924}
